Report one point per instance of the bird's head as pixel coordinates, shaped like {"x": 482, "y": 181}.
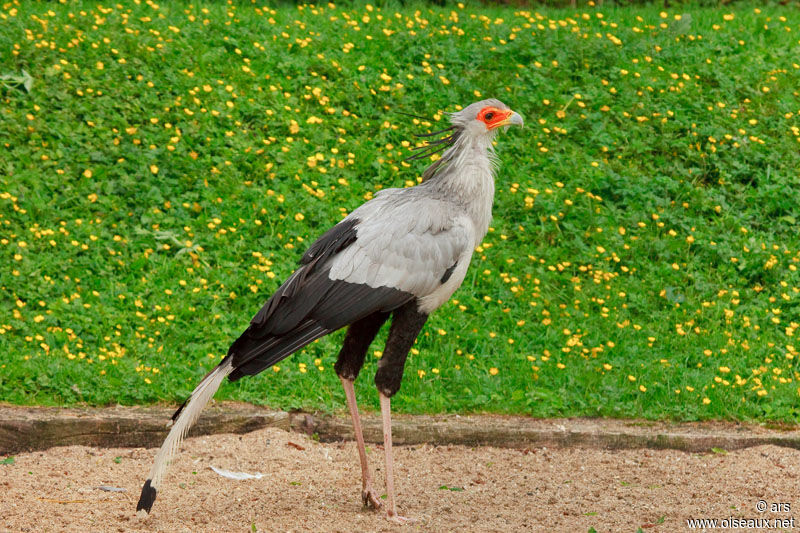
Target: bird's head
{"x": 476, "y": 123}
{"x": 482, "y": 119}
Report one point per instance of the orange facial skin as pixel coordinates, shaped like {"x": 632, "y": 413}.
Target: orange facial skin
{"x": 493, "y": 116}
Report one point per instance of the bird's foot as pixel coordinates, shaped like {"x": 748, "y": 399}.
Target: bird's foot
{"x": 371, "y": 498}
{"x": 397, "y": 519}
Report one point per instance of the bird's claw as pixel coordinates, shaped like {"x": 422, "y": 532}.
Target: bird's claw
{"x": 371, "y": 498}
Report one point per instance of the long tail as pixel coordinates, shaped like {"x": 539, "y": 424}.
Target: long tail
{"x": 186, "y": 416}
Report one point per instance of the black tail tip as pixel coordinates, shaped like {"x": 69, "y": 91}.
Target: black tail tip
{"x": 178, "y": 412}
{"x": 146, "y": 499}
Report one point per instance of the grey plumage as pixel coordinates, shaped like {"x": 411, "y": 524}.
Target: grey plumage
{"x": 403, "y": 253}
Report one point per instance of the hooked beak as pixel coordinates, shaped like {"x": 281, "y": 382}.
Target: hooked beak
{"x": 514, "y": 119}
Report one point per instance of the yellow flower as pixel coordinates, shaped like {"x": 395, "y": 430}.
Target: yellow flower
{"x": 154, "y": 169}
{"x": 493, "y": 371}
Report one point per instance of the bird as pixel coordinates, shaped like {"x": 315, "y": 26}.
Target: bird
{"x": 399, "y": 256}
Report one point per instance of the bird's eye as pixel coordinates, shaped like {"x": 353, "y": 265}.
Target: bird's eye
{"x": 489, "y": 116}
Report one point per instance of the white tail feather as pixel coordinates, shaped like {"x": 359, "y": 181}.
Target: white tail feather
{"x": 199, "y": 398}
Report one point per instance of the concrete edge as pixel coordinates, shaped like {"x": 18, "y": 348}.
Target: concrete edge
{"x": 40, "y": 428}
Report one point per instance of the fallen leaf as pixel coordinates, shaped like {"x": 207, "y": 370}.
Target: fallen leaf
{"x": 239, "y": 476}
{"x": 109, "y": 488}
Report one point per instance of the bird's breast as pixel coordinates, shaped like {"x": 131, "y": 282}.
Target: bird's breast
{"x": 429, "y": 303}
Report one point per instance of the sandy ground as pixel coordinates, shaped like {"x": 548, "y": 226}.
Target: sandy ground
{"x": 309, "y": 486}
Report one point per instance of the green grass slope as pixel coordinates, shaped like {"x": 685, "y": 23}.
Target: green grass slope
{"x": 172, "y": 161}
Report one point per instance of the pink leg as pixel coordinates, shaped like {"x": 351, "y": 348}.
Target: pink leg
{"x": 368, "y": 494}
{"x": 386, "y": 415}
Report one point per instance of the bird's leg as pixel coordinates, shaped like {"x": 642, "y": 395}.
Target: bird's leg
{"x": 386, "y": 415}
{"x": 348, "y": 365}
{"x": 368, "y": 494}
{"x": 407, "y": 321}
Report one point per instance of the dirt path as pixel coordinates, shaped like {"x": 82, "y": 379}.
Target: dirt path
{"x": 310, "y": 486}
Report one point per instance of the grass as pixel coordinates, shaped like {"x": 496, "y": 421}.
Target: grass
{"x": 171, "y": 163}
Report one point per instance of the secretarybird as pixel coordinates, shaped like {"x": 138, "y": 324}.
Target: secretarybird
{"x": 401, "y": 254}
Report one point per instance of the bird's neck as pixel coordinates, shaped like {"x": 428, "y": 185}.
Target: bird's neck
{"x": 467, "y": 180}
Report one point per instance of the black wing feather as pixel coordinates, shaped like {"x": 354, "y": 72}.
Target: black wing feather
{"x": 308, "y": 306}
{"x": 295, "y": 308}
{"x": 346, "y": 303}
{"x": 332, "y": 241}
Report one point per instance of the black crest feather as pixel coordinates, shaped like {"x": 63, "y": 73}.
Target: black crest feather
{"x": 432, "y": 147}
